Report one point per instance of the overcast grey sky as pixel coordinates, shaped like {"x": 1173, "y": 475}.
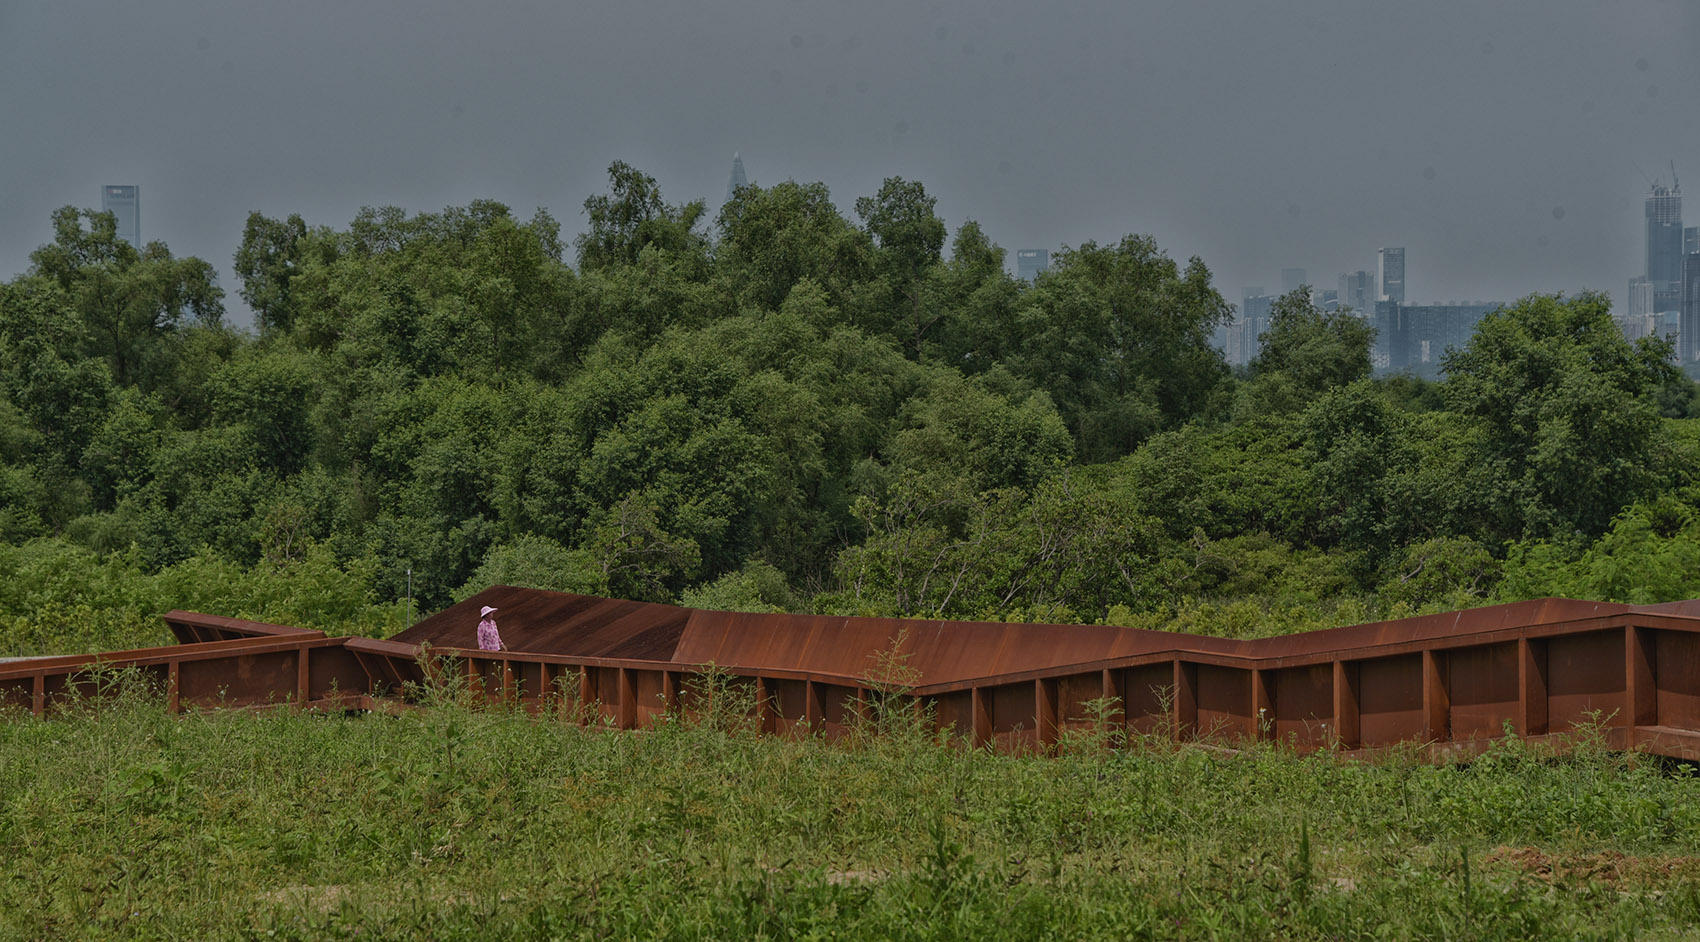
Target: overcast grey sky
{"x": 1506, "y": 145}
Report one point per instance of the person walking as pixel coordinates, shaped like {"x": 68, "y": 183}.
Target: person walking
{"x": 489, "y": 639}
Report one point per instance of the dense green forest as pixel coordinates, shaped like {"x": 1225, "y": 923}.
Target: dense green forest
{"x": 781, "y": 407}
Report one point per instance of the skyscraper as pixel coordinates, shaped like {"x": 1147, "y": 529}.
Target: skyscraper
{"x": 1640, "y": 297}
{"x": 1292, "y": 279}
{"x": 1030, "y": 262}
{"x": 738, "y": 179}
{"x": 1664, "y": 246}
{"x": 1357, "y": 291}
{"x": 1691, "y": 240}
{"x": 1688, "y": 328}
{"x": 1249, "y": 324}
{"x": 1390, "y": 274}
{"x": 125, "y": 202}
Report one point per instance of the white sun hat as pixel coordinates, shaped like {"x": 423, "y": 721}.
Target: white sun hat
{"x": 487, "y": 610}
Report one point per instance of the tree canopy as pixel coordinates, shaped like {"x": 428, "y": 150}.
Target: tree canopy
{"x": 788, "y": 406}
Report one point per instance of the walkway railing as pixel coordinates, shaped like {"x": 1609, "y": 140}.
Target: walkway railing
{"x": 1636, "y": 673}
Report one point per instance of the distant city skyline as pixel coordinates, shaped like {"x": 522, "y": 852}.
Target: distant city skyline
{"x": 1521, "y": 137}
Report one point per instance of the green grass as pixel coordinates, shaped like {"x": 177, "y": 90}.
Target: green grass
{"x": 120, "y": 820}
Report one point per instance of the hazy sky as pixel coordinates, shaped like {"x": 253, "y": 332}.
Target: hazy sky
{"x": 1506, "y": 145}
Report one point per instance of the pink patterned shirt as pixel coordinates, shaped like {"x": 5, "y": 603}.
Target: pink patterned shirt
{"x": 488, "y": 638}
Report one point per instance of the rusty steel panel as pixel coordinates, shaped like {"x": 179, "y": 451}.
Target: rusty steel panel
{"x": 559, "y": 623}
{"x": 648, "y": 705}
{"x": 527, "y": 681}
{"x": 334, "y": 672}
{"x": 1029, "y": 647}
{"x": 1224, "y": 702}
{"x": 790, "y": 699}
{"x": 840, "y": 706}
{"x": 1454, "y": 678}
{"x": 485, "y": 677}
{"x": 56, "y": 689}
{"x": 955, "y": 712}
{"x": 605, "y": 688}
{"x": 1640, "y": 698}
{"x": 17, "y": 692}
{"x": 1679, "y": 682}
{"x": 1483, "y": 686}
{"x": 238, "y": 680}
{"x": 756, "y": 641}
{"x": 1081, "y": 701}
{"x": 704, "y": 635}
{"x": 1390, "y": 699}
{"x": 1303, "y": 704}
{"x": 193, "y": 627}
{"x": 1532, "y": 686}
{"x": 1148, "y": 697}
{"x": 1347, "y": 704}
{"x": 945, "y": 651}
{"x": 1585, "y": 676}
{"x": 826, "y": 645}
{"x": 1014, "y": 716}
{"x": 1010, "y": 708}
{"x": 1689, "y": 608}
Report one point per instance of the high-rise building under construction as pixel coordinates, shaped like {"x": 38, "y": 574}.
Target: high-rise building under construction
{"x": 1664, "y": 245}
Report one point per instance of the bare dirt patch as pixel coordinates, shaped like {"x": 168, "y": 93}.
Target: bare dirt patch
{"x": 1607, "y": 867}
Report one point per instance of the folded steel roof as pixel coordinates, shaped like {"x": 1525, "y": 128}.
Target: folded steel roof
{"x": 939, "y": 652}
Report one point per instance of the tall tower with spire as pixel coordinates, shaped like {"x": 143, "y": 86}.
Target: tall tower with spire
{"x": 738, "y": 179}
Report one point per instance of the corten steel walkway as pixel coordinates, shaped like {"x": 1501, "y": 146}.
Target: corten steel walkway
{"x": 1455, "y": 681}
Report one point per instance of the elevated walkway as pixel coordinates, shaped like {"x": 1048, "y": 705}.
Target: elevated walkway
{"x": 1454, "y": 681}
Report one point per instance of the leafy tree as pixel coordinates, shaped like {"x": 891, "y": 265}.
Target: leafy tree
{"x": 773, "y": 238}
{"x": 1247, "y": 478}
{"x": 267, "y": 261}
{"x": 977, "y": 303}
{"x": 960, "y": 427}
{"x": 1356, "y": 451}
{"x": 270, "y": 395}
{"x": 757, "y": 587}
{"x": 1455, "y": 572}
{"x": 1120, "y": 338}
{"x": 656, "y": 291}
{"x": 1317, "y": 349}
{"x": 535, "y": 562}
{"x": 908, "y": 236}
{"x": 62, "y": 395}
{"x": 1651, "y": 554}
{"x": 633, "y": 557}
{"x": 936, "y": 548}
{"x": 631, "y": 217}
{"x": 1565, "y": 414}
{"x": 132, "y": 304}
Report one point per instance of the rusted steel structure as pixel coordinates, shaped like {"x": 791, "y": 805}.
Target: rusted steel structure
{"x": 1453, "y": 681}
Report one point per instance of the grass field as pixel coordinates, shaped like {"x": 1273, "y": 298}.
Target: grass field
{"x": 120, "y": 820}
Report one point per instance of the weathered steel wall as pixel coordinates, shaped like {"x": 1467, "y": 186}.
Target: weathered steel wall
{"x": 1454, "y": 681}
